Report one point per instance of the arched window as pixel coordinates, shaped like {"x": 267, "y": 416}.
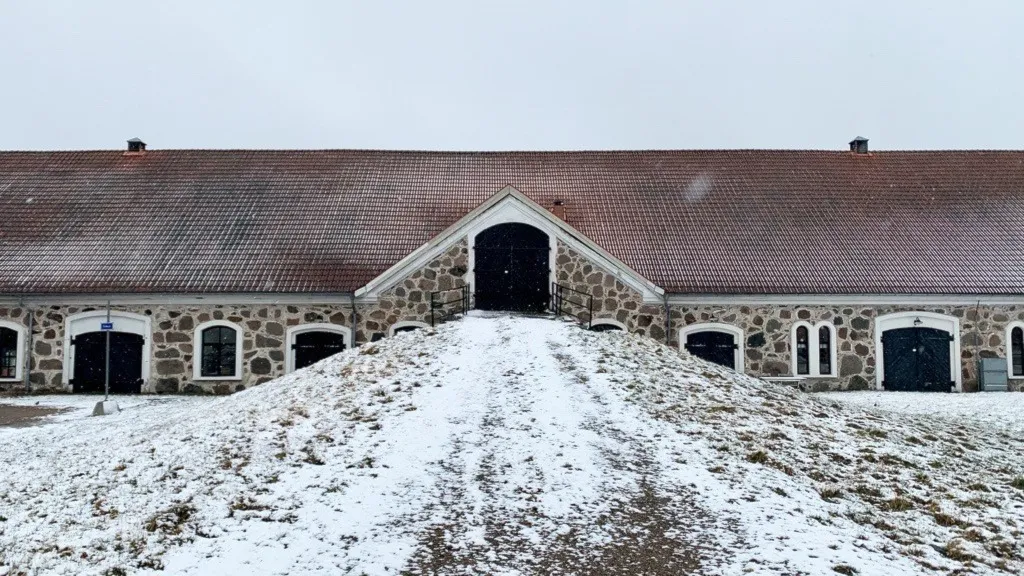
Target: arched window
{"x": 218, "y": 351}
{"x": 406, "y": 326}
{"x": 607, "y": 325}
{"x": 814, "y": 349}
{"x": 824, "y": 350}
{"x": 12, "y": 342}
{"x": 1015, "y": 354}
{"x": 803, "y": 351}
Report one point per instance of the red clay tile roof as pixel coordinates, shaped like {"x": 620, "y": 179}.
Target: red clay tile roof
{"x": 727, "y": 222}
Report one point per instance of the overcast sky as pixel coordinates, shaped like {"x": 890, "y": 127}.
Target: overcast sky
{"x": 512, "y": 75}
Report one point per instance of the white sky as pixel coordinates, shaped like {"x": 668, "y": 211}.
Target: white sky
{"x": 512, "y": 75}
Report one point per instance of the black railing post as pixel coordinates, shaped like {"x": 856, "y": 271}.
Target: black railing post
{"x": 590, "y": 314}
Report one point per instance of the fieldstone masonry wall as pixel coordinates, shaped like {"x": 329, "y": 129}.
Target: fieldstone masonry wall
{"x": 767, "y": 331}
{"x": 612, "y": 299}
{"x": 767, "y": 328}
{"x": 409, "y": 300}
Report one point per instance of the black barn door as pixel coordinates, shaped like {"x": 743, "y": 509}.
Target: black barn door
{"x": 916, "y": 359}
{"x": 511, "y": 268}
{"x": 312, "y": 347}
{"x": 125, "y": 363}
{"x": 713, "y": 346}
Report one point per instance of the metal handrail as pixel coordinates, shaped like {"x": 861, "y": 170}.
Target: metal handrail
{"x": 463, "y": 299}
{"x": 559, "y": 299}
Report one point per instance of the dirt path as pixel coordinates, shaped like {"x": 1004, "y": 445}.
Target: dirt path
{"x": 12, "y": 416}
{"x": 548, "y": 480}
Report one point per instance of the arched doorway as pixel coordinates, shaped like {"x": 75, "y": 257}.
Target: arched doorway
{"x": 511, "y": 269}
{"x": 918, "y": 352}
{"x": 311, "y": 343}
{"x": 86, "y": 343}
{"x": 718, "y": 343}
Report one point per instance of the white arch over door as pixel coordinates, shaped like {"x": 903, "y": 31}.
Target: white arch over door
{"x": 85, "y": 322}
{"x": 511, "y": 213}
{"x": 950, "y": 324}
{"x": 291, "y": 333}
{"x": 737, "y": 333}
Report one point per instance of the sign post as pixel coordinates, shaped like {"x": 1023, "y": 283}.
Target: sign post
{"x": 106, "y": 406}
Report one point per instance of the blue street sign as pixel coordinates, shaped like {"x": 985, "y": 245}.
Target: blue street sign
{"x": 107, "y": 326}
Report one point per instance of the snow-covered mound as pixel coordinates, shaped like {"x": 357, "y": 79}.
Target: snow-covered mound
{"x": 510, "y": 446}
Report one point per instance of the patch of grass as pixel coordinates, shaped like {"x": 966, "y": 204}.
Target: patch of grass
{"x": 758, "y": 457}
{"x": 913, "y": 440}
{"x": 780, "y": 492}
{"x": 978, "y": 487}
{"x": 943, "y": 519}
{"x": 830, "y": 494}
{"x": 716, "y": 469}
{"x": 845, "y": 569}
{"x": 1018, "y": 483}
{"x": 869, "y": 491}
{"x": 876, "y": 433}
{"x": 722, "y": 408}
{"x": 369, "y": 351}
{"x": 954, "y": 550}
{"x": 973, "y": 535}
{"x": 171, "y": 521}
{"x": 115, "y": 571}
{"x": 897, "y": 504}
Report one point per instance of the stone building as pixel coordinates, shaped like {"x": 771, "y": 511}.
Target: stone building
{"x": 213, "y": 271}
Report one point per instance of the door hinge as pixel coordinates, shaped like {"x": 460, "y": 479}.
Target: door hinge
{"x": 951, "y": 338}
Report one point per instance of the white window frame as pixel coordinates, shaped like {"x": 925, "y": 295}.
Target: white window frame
{"x": 813, "y": 344}
{"x": 289, "y": 356}
{"x": 197, "y": 351}
{"x": 20, "y": 356}
{"x": 944, "y": 322}
{"x": 1009, "y": 349}
{"x": 610, "y": 322}
{"x": 91, "y": 321}
{"x": 741, "y": 343}
{"x": 406, "y": 324}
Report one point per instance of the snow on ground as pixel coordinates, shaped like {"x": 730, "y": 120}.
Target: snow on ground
{"x": 1003, "y": 410}
{"x": 511, "y": 446}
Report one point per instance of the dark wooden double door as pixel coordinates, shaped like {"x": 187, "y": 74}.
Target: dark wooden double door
{"x": 511, "y": 268}
{"x": 917, "y": 359}
{"x": 91, "y": 363}
{"x": 713, "y": 346}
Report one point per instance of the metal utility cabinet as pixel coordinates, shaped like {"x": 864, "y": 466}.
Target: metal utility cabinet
{"x": 992, "y": 375}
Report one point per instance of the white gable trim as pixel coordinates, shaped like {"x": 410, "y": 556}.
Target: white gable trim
{"x": 510, "y": 205}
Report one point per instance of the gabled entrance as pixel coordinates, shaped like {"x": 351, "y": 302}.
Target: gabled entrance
{"x": 512, "y": 268}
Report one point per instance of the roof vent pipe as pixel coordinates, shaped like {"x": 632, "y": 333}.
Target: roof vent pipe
{"x": 558, "y": 209}
{"x": 859, "y": 145}
{"x": 136, "y": 146}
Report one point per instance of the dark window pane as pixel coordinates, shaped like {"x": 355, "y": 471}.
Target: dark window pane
{"x": 218, "y": 354}
{"x": 803, "y": 351}
{"x": 824, "y": 350}
{"x": 8, "y": 353}
{"x": 1017, "y": 351}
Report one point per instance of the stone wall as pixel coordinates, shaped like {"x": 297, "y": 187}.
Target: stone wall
{"x": 767, "y": 331}
{"x": 172, "y": 343}
{"x": 767, "y": 328}
{"x": 409, "y": 300}
{"x": 613, "y": 300}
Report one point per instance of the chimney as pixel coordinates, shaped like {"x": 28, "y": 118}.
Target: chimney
{"x": 136, "y": 146}
{"x": 558, "y": 209}
{"x": 859, "y": 145}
